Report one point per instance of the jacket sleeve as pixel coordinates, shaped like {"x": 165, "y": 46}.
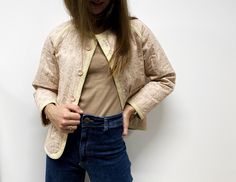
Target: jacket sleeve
{"x": 46, "y": 80}
{"x": 159, "y": 72}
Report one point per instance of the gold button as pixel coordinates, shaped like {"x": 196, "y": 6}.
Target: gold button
{"x": 88, "y": 47}
{"x": 73, "y": 99}
{"x": 80, "y": 72}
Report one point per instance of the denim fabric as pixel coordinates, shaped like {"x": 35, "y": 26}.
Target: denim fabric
{"x": 97, "y": 146}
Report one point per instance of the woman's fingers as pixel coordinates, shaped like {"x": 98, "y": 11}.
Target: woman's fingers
{"x": 74, "y": 108}
{"x": 125, "y": 125}
{"x": 127, "y": 112}
{"x": 67, "y": 123}
{"x": 71, "y": 116}
{"x": 69, "y": 129}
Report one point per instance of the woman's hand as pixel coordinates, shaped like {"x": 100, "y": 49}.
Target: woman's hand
{"x": 128, "y": 111}
{"x": 64, "y": 117}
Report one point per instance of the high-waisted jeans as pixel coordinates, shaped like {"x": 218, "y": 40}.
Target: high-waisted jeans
{"x": 96, "y": 146}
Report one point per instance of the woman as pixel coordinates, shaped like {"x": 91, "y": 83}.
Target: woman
{"x": 100, "y": 73}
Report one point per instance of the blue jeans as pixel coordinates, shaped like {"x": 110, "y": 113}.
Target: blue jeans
{"x": 97, "y": 146}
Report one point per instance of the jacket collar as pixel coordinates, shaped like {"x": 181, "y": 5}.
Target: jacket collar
{"x": 107, "y": 42}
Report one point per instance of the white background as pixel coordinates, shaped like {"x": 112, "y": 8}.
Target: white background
{"x": 191, "y": 135}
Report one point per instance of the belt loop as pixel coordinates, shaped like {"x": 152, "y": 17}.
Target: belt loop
{"x": 105, "y": 124}
{"x": 81, "y": 119}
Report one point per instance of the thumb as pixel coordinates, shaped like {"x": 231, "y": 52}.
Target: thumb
{"x": 125, "y": 126}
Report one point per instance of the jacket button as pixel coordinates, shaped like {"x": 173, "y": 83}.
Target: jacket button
{"x": 73, "y": 99}
{"x": 80, "y": 72}
{"x": 88, "y": 48}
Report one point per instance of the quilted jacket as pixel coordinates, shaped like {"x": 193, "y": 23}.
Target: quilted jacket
{"x": 145, "y": 82}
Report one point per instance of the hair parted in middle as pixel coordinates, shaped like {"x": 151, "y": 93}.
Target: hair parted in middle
{"x": 115, "y": 17}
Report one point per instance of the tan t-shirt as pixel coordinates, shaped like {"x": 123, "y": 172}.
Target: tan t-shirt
{"x": 99, "y": 94}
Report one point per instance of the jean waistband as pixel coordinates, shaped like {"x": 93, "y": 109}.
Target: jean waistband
{"x": 89, "y": 120}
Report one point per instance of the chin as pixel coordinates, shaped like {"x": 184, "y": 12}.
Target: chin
{"x": 96, "y": 11}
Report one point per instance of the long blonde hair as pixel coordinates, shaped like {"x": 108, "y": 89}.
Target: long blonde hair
{"x": 116, "y": 18}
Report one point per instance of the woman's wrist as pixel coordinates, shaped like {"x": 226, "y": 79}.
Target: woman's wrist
{"x": 47, "y": 110}
{"x": 131, "y": 110}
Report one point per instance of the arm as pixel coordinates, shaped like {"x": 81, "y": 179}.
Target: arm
{"x": 160, "y": 74}
{"x": 46, "y": 79}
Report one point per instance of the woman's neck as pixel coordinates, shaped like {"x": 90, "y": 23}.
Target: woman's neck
{"x": 98, "y": 25}
{"x": 100, "y": 21}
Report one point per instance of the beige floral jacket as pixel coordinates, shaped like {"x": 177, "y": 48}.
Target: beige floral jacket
{"x": 146, "y": 81}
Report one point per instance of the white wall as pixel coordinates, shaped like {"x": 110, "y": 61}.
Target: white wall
{"x": 190, "y": 135}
